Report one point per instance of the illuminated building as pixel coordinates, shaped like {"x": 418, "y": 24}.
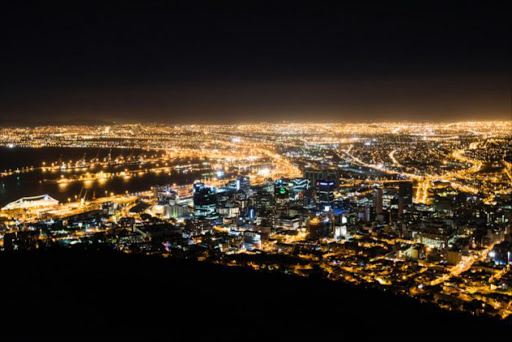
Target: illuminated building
{"x": 240, "y": 183}
{"x": 175, "y": 211}
{"x": 289, "y": 222}
{"x": 299, "y": 184}
{"x": 377, "y": 200}
{"x": 281, "y": 192}
{"x": 167, "y": 196}
{"x": 326, "y": 175}
{"x": 31, "y": 203}
{"x": 502, "y": 253}
{"x": 359, "y": 217}
{"x": 205, "y": 201}
{"x": 320, "y": 227}
{"x": 251, "y": 240}
{"x": 281, "y": 188}
{"x": 325, "y": 191}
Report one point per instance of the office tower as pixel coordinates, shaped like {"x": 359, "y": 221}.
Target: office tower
{"x": 325, "y": 191}
{"x": 240, "y": 183}
{"x": 326, "y": 174}
{"x": 377, "y": 200}
{"x": 299, "y": 184}
{"x": 281, "y": 189}
{"x": 406, "y": 193}
{"x": 243, "y": 183}
{"x": 205, "y": 201}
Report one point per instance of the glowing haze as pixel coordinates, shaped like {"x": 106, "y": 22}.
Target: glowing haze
{"x": 175, "y": 62}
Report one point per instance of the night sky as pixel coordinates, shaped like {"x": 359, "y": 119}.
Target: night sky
{"x": 218, "y": 62}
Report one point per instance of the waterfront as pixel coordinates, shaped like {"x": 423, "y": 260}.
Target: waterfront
{"x": 424, "y": 213}
{"x": 173, "y": 170}
{"x": 120, "y": 178}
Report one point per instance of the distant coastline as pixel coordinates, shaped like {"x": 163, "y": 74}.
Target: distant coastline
{"x": 74, "y": 122}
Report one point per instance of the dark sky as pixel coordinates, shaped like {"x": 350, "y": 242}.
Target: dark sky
{"x": 255, "y": 61}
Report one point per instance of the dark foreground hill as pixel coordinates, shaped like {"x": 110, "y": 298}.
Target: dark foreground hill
{"x": 77, "y": 295}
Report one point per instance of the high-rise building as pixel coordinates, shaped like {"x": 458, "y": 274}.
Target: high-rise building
{"x": 400, "y": 206}
{"x": 405, "y": 192}
{"x": 299, "y": 184}
{"x": 377, "y": 200}
{"x": 240, "y": 183}
{"x": 167, "y": 196}
{"x": 314, "y": 176}
{"x": 281, "y": 189}
{"x": 325, "y": 191}
{"x": 175, "y": 211}
{"x": 205, "y": 201}
{"x": 243, "y": 183}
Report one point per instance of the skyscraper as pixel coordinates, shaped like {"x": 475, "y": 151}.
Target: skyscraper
{"x": 205, "y": 201}
{"x": 405, "y": 192}
{"x": 377, "y": 200}
{"x": 325, "y": 191}
{"x": 325, "y": 174}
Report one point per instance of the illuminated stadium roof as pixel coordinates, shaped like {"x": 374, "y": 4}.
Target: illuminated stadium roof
{"x": 32, "y": 202}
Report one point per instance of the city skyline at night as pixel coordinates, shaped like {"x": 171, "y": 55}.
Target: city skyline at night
{"x": 216, "y": 171}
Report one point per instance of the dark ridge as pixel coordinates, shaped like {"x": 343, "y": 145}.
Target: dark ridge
{"x": 90, "y": 295}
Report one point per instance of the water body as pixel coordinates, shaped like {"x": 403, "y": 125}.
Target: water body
{"x": 37, "y": 182}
